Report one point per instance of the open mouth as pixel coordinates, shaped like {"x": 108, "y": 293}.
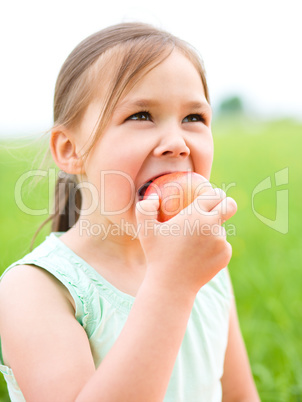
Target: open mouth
{"x": 142, "y": 190}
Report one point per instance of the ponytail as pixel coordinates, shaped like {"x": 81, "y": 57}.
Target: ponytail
{"x": 67, "y": 205}
{"x": 67, "y": 201}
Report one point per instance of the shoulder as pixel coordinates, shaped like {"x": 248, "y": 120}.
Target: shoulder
{"x": 25, "y": 284}
{"x": 29, "y": 296}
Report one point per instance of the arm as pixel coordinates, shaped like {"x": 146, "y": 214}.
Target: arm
{"x": 38, "y": 327}
{"x": 237, "y": 381}
{"x": 140, "y": 363}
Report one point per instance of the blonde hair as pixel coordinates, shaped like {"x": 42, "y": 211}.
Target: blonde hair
{"x": 107, "y": 64}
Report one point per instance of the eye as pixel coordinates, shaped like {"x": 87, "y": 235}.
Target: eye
{"x": 143, "y": 116}
{"x": 193, "y": 118}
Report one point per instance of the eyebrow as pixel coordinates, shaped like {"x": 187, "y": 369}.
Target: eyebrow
{"x": 146, "y": 103}
{"x": 198, "y": 105}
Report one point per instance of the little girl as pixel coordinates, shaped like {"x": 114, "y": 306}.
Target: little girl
{"x": 114, "y": 305}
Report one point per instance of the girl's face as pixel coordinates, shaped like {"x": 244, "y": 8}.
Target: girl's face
{"x": 162, "y": 125}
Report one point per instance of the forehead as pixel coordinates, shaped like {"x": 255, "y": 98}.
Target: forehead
{"x": 175, "y": 77}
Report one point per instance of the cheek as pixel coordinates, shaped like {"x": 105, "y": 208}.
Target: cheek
{"x": 117, "y": 192}
{"x": 113, "y": 176}
{"x": 203, "y": 158}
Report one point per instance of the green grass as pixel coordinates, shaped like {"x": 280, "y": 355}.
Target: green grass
{"x": 266, "y": 264}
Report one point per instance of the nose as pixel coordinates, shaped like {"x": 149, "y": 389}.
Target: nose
{"x": 172, "y": 145}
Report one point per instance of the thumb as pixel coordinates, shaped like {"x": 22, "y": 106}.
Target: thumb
{"x": 148, "y": 208}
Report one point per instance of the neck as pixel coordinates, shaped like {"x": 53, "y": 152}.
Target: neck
{"x": 118, "y": 242}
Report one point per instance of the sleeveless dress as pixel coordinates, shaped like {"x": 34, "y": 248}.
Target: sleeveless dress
{"x": 102, "y": 310}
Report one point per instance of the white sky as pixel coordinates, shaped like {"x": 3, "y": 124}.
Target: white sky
{"x": 251, "y": 48}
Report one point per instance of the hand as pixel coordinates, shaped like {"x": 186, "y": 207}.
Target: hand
{"x": 189, "y": 249}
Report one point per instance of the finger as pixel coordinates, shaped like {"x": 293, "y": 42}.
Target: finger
{"x": 205, "y": 202}
{"x": 148, "y": 208}
{"x": 225, "y": 209}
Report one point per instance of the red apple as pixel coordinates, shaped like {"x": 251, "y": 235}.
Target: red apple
{"x": 176, "y": 191}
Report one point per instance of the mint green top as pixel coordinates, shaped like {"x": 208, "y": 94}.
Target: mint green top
{"x": 102, "y": 310}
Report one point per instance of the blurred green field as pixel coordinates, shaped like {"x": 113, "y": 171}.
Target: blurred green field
{"x": 266, "y": 264}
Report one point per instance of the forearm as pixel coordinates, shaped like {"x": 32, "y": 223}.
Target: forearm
{"x": 139, "y": 365}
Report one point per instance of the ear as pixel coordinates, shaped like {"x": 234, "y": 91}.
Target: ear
{"x": 64, "y": 151}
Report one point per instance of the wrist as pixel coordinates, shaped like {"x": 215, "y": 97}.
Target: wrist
{"x": 170, "y": 288}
